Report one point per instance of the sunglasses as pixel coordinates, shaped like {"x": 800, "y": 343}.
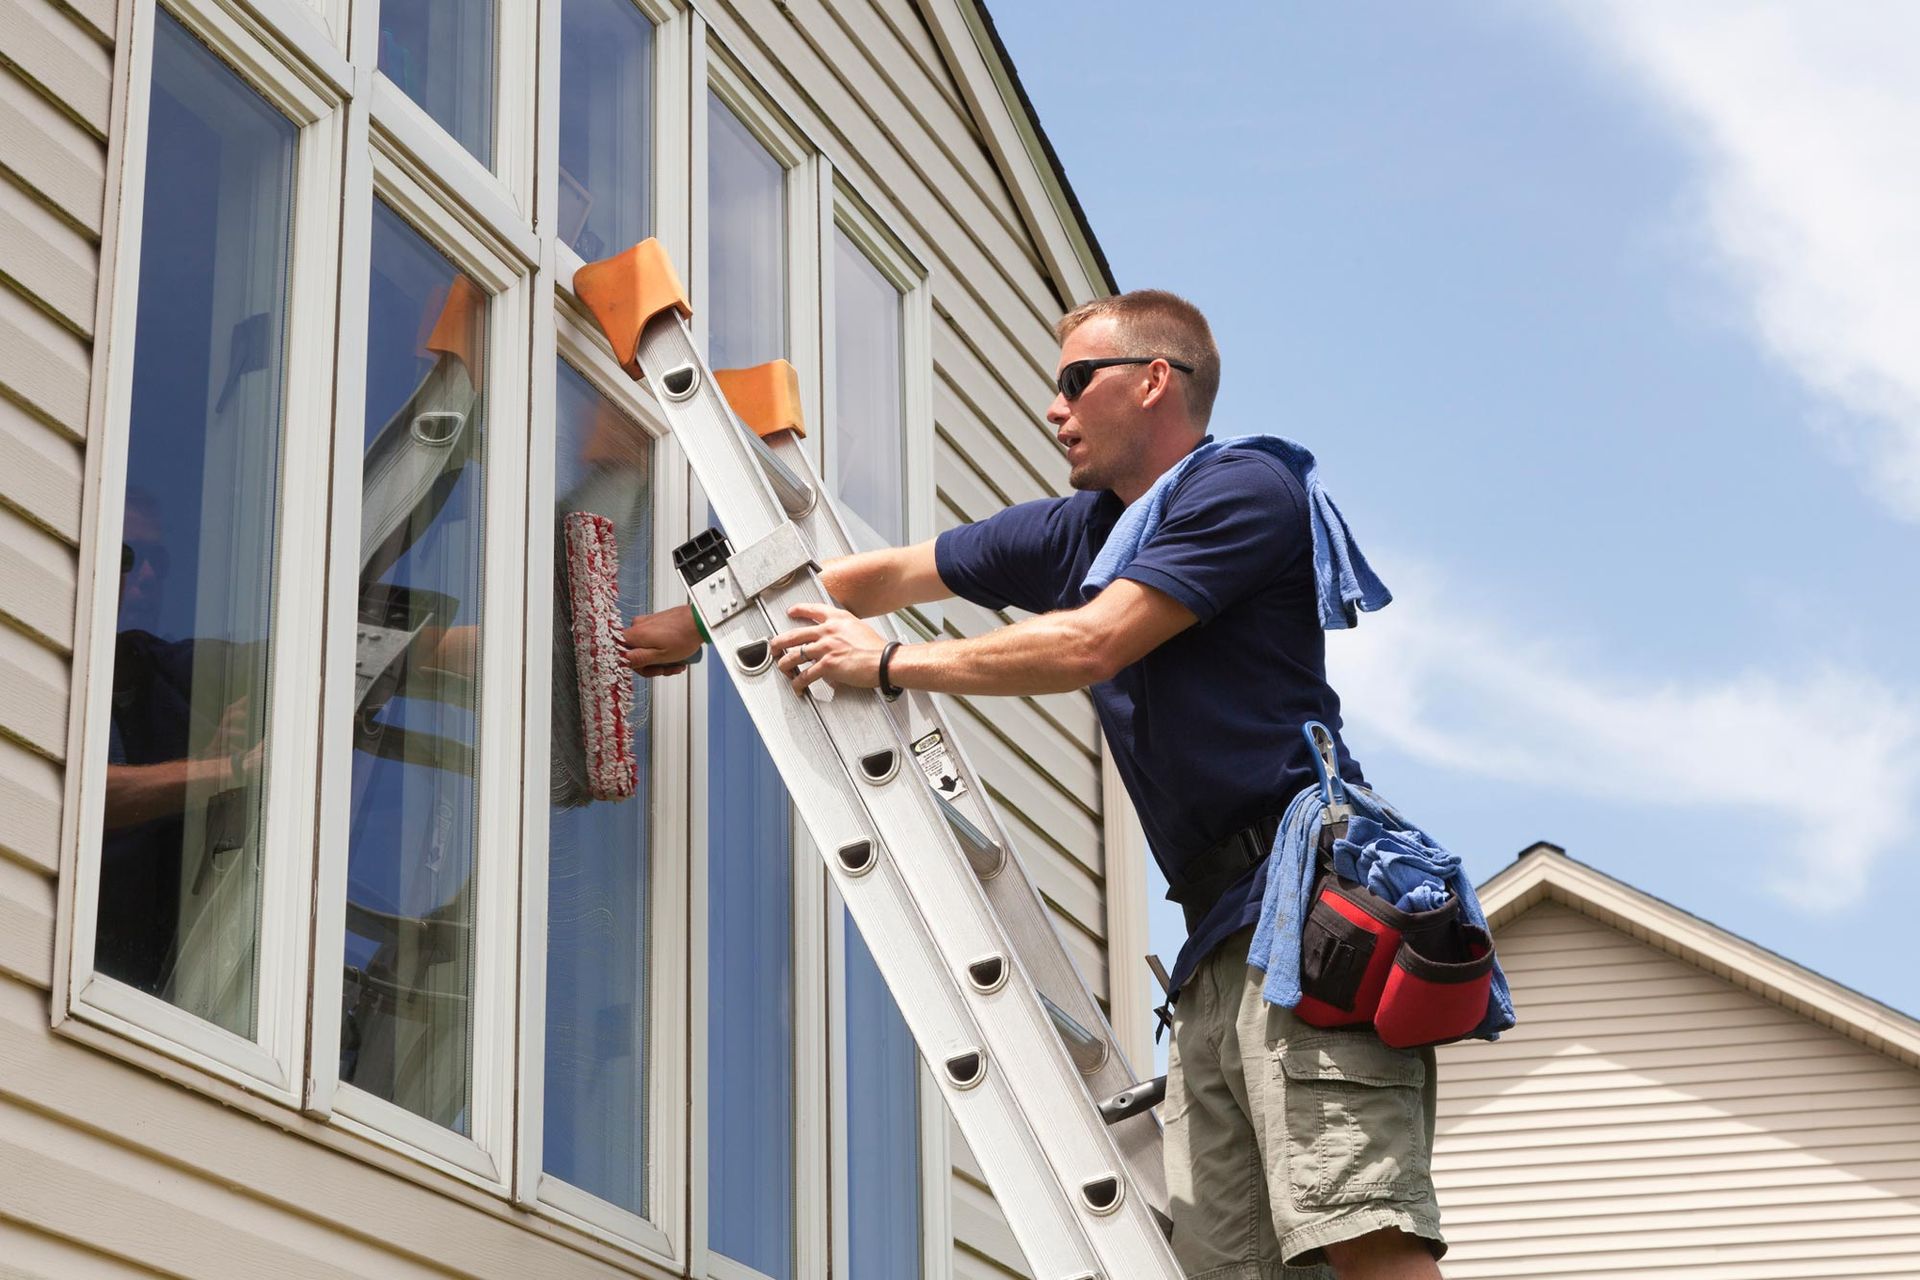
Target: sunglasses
{"x": 151, "y": 552}
{"x": 1075, "y": 377}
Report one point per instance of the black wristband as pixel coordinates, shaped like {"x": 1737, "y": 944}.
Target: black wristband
{"x": 888, "y": 689}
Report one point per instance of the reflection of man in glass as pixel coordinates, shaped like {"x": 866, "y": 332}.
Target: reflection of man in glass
{"x": 165, "y": 750}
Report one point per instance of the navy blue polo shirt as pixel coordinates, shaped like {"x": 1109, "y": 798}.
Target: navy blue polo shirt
{"x": 1205, "y": 730}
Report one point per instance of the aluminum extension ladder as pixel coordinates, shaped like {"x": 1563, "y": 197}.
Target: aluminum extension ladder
{"x": 1026, "y": 1061}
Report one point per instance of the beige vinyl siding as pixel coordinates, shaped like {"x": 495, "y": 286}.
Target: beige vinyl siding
{"x": 1649, "y": 1119}
{"x": 54, "y": 76}
{"x": 106, "y": 1158}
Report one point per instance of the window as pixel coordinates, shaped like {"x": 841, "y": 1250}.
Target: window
{"x": 877, "y": 313}
{"x": 342, "y": 838}
{"x": 406, "y": 1032}
{"x": 179, "y": 903}
{"x": 440, "y": 54}
{"x": 869, "y": 426}
{"x": 747, "y": 277}
{"x": 878, "y": 427}
{"x": 882, "y": 1146}
{"x": 750, "y": 863}
{"x": 599, "y": 845}
{"x": 193, "y": 659}
{"x": 606, "y": 162}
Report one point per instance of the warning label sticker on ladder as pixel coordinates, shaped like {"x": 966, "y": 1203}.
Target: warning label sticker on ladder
{"x": 937, "y": 763}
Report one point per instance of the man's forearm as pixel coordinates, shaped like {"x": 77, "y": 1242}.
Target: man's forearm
{"x": 139, "y": 793}
{"x": 872, "y": 584}
{"x": 1052, "y": 653}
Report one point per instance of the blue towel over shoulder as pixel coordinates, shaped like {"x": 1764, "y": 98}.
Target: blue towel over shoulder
{"x": 1347, "y": 583}
{"x": 1383, "y": 851}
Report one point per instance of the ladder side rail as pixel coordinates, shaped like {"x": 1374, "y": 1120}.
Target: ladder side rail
{"x": 1013, "y": 893}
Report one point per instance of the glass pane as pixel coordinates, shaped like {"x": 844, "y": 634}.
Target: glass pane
{"x": 598, "y": 851}
{"x": 747, "y": 245}
{"x": 179, "y": 913}
{"x": 750, "y": 1108}
{"x": 440, "y": 53}
{"x": 606, "y": 126}
{"x": 406, "y": 1025}
{"x": 883, "y": 1126}
{"x": 750, "y": 1112}
{"x": 869, "y": 469}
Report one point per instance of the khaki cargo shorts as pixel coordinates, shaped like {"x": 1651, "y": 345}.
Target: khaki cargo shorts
{"x": 1283, "y": 1138}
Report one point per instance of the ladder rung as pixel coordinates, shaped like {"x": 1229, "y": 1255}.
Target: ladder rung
{"x": 1132, "y": 1101}
{"x": 983, "y": 851}
{"x": 1088, "y": 1051}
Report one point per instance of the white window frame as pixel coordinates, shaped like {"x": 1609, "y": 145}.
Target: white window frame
{"x": 272, "y": 1066}
{"x": 804, "y": 167}
{"x": 502, "y": 193}
{"x": 661, "y": 1235}
{"x": 673, "y": 78}
{"x": 716, "y": 71}
{"x": 485, "y": 1158}
{"x": 843, "y": 211}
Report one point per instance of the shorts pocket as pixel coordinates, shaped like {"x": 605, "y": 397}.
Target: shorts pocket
{"x": 1354, "y": 1128}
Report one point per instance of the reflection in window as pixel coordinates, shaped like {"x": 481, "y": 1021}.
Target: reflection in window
{"x": 868, "y": 429}
{"x": 598, "y": 851}
{"x": 746, "y": 306}
{"x": 179, "y": 912}
{"x": 750, "y": 1110}
{"x": 406, "y": 1024}
{"x": 883, "y": 1126}
{"x": 606, "y": 126}
{"x": 440, "y": 54}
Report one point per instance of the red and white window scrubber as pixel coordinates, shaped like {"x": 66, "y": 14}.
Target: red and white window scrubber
{"x": 605, "y": 683}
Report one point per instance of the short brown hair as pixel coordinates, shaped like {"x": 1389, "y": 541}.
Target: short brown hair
{"x": 1153, "y": 322}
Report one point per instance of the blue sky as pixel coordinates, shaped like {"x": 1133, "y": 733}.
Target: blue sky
{"x": 1604, "y": 321}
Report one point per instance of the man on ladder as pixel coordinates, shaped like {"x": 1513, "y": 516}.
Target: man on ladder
{"x": 1202, "y": 645}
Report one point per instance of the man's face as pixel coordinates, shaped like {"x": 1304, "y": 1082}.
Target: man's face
{"x": 1104, "y": 431}
{"x": 142, "y": 585}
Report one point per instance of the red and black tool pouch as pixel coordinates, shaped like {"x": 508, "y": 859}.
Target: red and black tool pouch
{"x": 1417, "y": 977}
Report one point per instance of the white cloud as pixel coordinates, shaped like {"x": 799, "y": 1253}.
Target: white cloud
{"x": 1807, "y": 119}
{"x": 1829, "y": 758}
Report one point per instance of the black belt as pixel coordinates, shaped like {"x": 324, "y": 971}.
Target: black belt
{"x": 1205, "y": 878}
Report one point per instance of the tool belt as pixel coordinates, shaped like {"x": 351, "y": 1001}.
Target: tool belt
{"x": 1419, "y": 977}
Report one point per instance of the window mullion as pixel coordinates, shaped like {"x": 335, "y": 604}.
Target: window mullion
{"x": 536, "y": 722}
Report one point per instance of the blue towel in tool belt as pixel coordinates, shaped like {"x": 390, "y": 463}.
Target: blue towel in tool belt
{"x": 1347, "y": 583}
{"x": 1383, "y": 851}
